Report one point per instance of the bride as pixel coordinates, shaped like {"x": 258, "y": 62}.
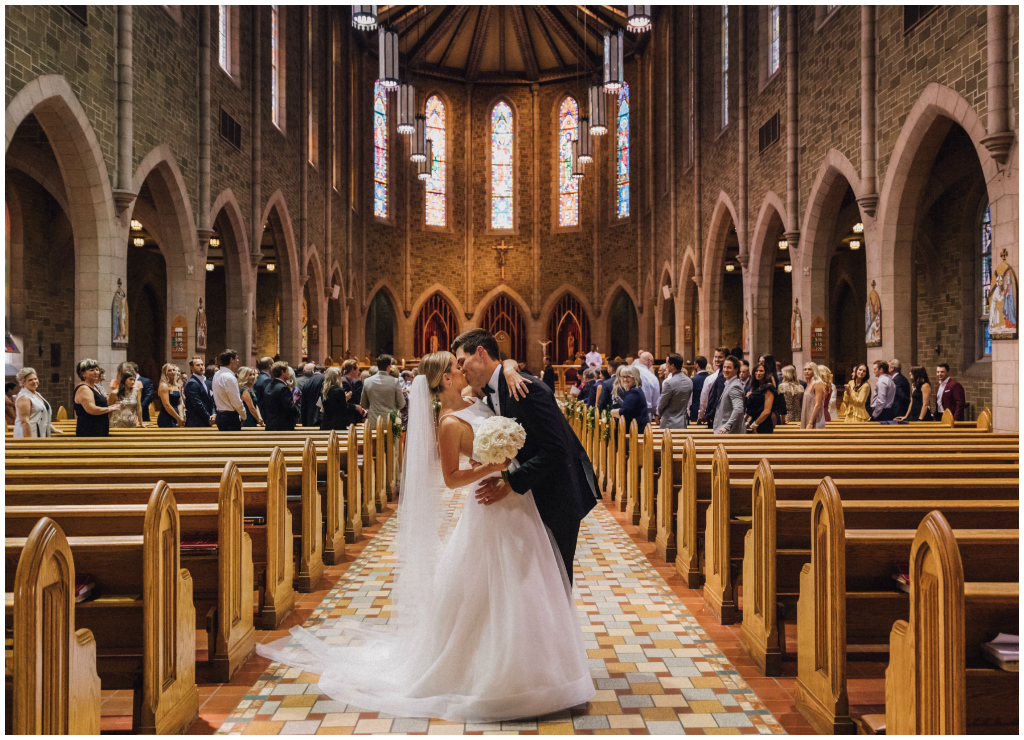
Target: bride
{"x": 483, "y": 627}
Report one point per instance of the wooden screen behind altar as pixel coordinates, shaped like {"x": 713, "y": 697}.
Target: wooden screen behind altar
{"x": 503, "y": 316}
{"x": 436, "y": 326}
{"x": 568, "y": 331}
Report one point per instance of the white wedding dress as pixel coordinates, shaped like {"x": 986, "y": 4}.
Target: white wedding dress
{"x": 483, "y": 626}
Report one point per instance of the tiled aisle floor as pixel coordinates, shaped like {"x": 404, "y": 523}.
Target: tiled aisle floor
{"x": 655, "y": 667}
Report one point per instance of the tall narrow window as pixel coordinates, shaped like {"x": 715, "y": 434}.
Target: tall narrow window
{"x": 774, "y": 38}
{"x": 380, "y": 151}
{"x": 437, "y": 183}
{"x": 622, "y": 155}
{"x": 986, "y": 277}
{"x": 725, "y": 66}
{"x": 275, "y": 65}
{"x": 568, "y": 186}
{"x": 502, "y": 193}
{"x": 224, "y": 37}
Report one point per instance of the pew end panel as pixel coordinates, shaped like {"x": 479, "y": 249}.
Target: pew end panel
{"x": 687, "y": 561}
{"x": 353, "y": 487}
{"x": 648, "y": 504}
{"x": 760, "y": 632}
{"x": 279, "y": 596}
{"x": 334, "y": 516}
{"x": 665, "y": 542}
{"x": 311, "y": 564}
{"x": 633, "y": 455}
{"x": 369, "y": 497}
{"x": 719, "y": 586}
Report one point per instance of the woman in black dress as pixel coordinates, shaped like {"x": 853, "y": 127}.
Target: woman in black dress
{"x": 339, "y": 411}
{"x": 760, "y": 401}
{"x": 90, "y": 403}
{"x": 921, "y": 399}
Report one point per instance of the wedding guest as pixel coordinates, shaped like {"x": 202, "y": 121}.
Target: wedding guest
{"x": 381, "y": 394}
{"x": 548, "y": 377}
{"x": 352, "y": 384}
{"x": 33, "y": 411}
{"x": 950, "y": 394}
{"x": 226, "y": 396}
{"x": 11, "y": 391}
{"x": 606, "y": 401}
{"x": 259, "y": 386}
{"x": 200, "y": 410}
{"x": 883, "y": 402}
{"x": 921, "y": 398}
{"x": 699, "y": 376}
{"x": 633, "y": 402}
{"x": 729, "y": 411}
{"x": 771, "y": 369}
{"x": 902, "y": 388}
{"x": 812, "y": 413}
{"x": 588, "y": 392}
{"x": 651, "y": 387}
{"x": 129, "y": 397}
{"x": 311, "y": 395}
{"x": 307, "y": 373}
{"x": 673, "y": 408}
{"x": 168, "y": 394}
{"x": 246, "y": 381}
{"x": 744, "y": 376}
{"x": 761, "y": 401}
{"x": 857, "y": 395}
{"x": 793, "y": 394}
{"x": 706, "y": 410}
{"x": 338, "y": 410}
{"x": 831, "y": 412}
{"x": 91, "y": 407}
{"x": 279, "y": 410}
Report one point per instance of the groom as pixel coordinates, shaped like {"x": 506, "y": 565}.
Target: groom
{"x": 552, "y": 462}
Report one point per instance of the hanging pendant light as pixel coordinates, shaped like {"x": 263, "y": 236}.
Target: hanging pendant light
{"x": 598, "y": 111}
{"x": 613, "y": 61}
{"x": 406, "y": 108}
{"x": 364, "y": 17}
{"x": 419, "y": 140}
{"x": 583, "y": 137}
{"x": 577, "y": 163}
{"x": 426, "y": 166}
{"x": 638, "y": 18}
{"x": 388, "y": 48}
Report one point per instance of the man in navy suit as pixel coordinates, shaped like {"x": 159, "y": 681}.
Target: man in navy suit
{"x": 604, "y": 403}
{"x": 698, "y": 385}
{"x": 200, "y": 410}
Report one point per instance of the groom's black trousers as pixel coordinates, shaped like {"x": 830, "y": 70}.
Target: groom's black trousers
{"x": 565, "y": 537}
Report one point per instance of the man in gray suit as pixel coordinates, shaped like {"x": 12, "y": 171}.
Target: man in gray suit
{"x": 382, "y": 393}
{"x": 675, "y": 395}
{"x": 729, "y": 416}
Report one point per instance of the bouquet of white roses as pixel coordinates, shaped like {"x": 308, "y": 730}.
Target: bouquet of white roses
{"x": 498, "y": 439}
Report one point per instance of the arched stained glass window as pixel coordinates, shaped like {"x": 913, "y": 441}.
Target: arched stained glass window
{"x": 380, "y": 151}
{"x": 437, "y": 182}
{"x": 986, "y": 278}
{"x": 622, "y": 154}
{"x": 568, "y": 186}
{"x": 502, "y": 193}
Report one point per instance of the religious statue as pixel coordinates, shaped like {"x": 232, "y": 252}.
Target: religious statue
{"x": 119, "y": 319}
{"x": 1002, "y": 306}
{"x": 873, "y": 319}
{"x": 200, "y": 328}
{"x": 571, "y": 345}
{"x": 796, "y": 329}
{"x": 433, "y": 343}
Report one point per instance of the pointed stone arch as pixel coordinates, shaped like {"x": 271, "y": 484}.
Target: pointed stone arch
{"x": 337, "y": 329}
{"x": 437, "y": 323}
{"x": 722, "y": 217}
{"x": 370, "y": 313}
{"x": 619, "y": 287}
{"x": 688, "y": 308}
{"x": 667, "y": 310}
{"x": 239, "y": 276}
{"x": 505, "y": 310}
{"x": 99, "y": 239}
{"x": 278, "y": 220}
{"x": 566, "y": 305}
{"x": 316, "y": 308}
{"x": 765, "y": 303}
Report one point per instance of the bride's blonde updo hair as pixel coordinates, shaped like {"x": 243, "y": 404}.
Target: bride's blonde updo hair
{"x": 433, "y": 367}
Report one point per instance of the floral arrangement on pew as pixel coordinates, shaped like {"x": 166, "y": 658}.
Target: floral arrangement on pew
{"x": 607, "y": 425}
{"x": 591, "y": 413}
{"x": 396, "y": 423}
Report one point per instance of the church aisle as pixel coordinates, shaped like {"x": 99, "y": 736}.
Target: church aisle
{"x": 655, "y": 668}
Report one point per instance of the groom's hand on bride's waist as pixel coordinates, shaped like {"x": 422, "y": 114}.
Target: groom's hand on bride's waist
{"x": 492, "y": 491}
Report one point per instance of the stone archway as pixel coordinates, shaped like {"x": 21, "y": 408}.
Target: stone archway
{"x": 230, "y": 286}
{"x": 316, "y": 309}
{"x": 771, "y": 286}
{"x": 722, "y": 295}
{"x": 278, "y": 291}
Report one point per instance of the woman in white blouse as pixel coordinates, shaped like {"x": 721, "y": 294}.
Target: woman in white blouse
{"x": 34, "y": 411}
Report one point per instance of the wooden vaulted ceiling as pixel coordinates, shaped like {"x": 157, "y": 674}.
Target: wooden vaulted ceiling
{"x": 504, "y": 43}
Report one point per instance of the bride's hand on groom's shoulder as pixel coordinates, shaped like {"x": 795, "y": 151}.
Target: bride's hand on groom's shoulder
{"x": 516, "y": 382}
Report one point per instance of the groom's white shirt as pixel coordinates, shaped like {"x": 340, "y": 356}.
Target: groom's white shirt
{"x": 494, "y": 394}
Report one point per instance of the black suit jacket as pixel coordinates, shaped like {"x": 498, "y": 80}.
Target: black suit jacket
{"x": 552, "y": 462}
{"x": 146, "y": 397}
{"x": 259, "y": 388}
{"x": 199, "y": 405}
{"x": 549, "y": 377}
{"x": 588, "y": 393}
{"x": 714, "y": 396}
{"x": 698, "y": 386}
{"x": 356, "y": 386}
{"x": 903, "y": 394}
{"x": 604, "y": 403}
{"x": 310, "y": 395}
{"x": 280, "y": 414}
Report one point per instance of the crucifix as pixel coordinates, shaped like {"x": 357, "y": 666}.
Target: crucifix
{"x": 501, "y": 249}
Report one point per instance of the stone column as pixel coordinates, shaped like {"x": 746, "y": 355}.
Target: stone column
{"x": 741, "y": 130}
{"x": 1000, "y": 138}
{"x": 256, "y": 193}
{"x": 698, "y": 226}
{"x": 123, "y": 195}
{"x": 869, "y": 197}
{"x": 304, "y": 110}
{"x": 205, "y": 227}
{"x": 792, "y": 132}
{"x": 469, "y": 199}
{"x": 535, "y": 298}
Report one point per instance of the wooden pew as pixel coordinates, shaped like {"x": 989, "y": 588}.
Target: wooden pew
{"x": 143, "y": 620}
{"x": 54, "y": 688}
{"x": 778, "y": 544}
{"x": 222, "y": 580}
{"x": 272, "y": 548}
{"x": 847, "y": 597}
{"x": 937, "y": 682}
{"x": 731, "y": 497}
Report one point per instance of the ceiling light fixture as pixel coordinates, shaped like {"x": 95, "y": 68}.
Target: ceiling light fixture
{"x": 136, "y": 225}
{"x": 638, "y": 18}
{"x": 858, "y": 228}
{"x": 730, "y": 267}
{"x": 388, "y": 53}
{"x": 209, "y": 267}
{"x": 613, "y": 61}
{"x": 788, "y": 268}
{"x": 855, "y": 245}
{"x": 577, "y": 163}
{"x": 364, "y": 17}
{"x": 214, "y": 242}
{"x": 271, "y": 267}
{"x": 418, "y": 149}
{"x": 424, "y": 168}
{"x": 139, "y": 241}
{"x": 598, "y": 111}
{"x": 583, "y": 137}
{"x": 783, "y": 244}
{"x": 406, "y": 108}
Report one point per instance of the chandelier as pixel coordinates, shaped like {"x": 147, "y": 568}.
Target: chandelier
{"x": 388, "y": 46}
{"x": 638, "y": 18}
{"x": 364, "y": 17}
{"x": 406, "y": 108}
{"x": 613, "y": 77}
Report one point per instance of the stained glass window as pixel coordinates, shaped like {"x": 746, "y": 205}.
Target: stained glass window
{"x": 275, "y": 64}
{"x": 622, "y": 154}
{"x": 502, "y": 193}
{"x": 380, "y": 151}
{"x": 774, "y": 38}
{"x": 223, "y": 36}
{"x": 437, "y": 182}
{"x": 725, "y": 66}
{"x": 568, "y": 186}
{"x": 986, "y": 275}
